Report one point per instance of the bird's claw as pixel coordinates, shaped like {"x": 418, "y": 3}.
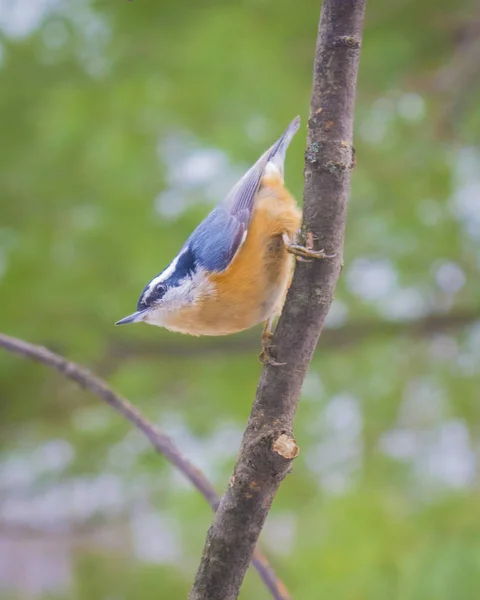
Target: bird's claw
{"x": 265, "y": 357}
{"x": 301, "y": 252}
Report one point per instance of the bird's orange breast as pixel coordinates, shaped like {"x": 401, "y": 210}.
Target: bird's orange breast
{"x": 254, "y": 285}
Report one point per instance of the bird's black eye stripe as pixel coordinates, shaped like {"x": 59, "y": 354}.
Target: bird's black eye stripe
{"x": 184, "y": 267}
{"x": 149, "y": 297}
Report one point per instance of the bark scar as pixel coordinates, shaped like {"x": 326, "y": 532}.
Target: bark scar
{"x": 286, "y": 446}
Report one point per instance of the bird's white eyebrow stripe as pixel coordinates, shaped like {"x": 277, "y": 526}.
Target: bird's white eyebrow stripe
{"x": 164, "y": 274}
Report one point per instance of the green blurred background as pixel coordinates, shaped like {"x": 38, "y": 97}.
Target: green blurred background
{"x": 121, "y": 124}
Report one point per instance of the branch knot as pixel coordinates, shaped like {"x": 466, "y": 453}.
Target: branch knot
{"x": 347, "y": 41}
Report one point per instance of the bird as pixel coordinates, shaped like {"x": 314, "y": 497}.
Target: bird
{"x": 234, "y": 270}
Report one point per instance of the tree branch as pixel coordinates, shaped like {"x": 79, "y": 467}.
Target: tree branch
{"x": 268, "y": 446}
{"x": 159, "y": 440}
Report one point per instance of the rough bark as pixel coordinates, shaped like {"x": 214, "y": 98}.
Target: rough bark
{"x": 159, "y": 440}
{"x": 268, "y": 445}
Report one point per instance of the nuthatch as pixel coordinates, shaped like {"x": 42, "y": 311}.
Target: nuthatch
{"x": 234, "y": 270}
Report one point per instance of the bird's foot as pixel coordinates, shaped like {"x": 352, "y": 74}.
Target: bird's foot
{"x": 302, "y": 252}
{"x": 265, "y": 356}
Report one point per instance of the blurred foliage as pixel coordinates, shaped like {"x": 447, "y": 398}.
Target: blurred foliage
{"x": 122, "y": 123}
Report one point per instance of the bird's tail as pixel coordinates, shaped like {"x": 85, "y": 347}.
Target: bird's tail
{"x": 270, "y": 164}
{"x": 276, "y": 154}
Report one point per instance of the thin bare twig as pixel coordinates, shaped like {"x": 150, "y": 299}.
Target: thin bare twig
{"x": 159, "y": 440}
{"x": 268, "y": 446}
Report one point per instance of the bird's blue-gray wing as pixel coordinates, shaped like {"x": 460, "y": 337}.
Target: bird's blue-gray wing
{"x": 218, "y": 238}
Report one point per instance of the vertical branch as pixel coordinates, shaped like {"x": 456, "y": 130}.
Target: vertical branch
{"x": 268, "y": 446}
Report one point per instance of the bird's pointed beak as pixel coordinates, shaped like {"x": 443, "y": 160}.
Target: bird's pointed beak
{"x": 134, "y": 318}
